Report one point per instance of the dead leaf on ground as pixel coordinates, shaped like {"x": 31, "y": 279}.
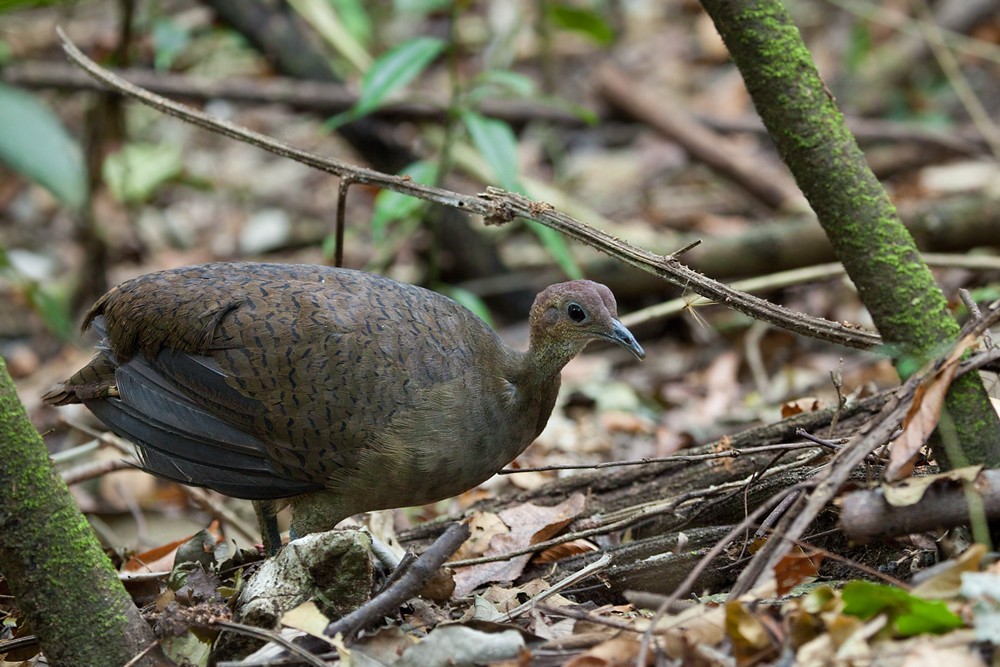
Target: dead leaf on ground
{"x": 800, "y": 406}
{"x": 911, "y": 490}
{"x": 565, "y": 550}
{"x": 308, "y": 618}
{"x": 529, "y": 524}
{"x": 924, "y": 414}
{"x": 797, "y": 567}
{"x": 621, "y": 651}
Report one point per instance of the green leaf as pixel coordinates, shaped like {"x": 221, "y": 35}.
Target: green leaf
{"x": 513, "y": 82}
{"x": 470, "y": 301}
{"x": 330, "y": 25}
{"x": 859, "y": 47}
{"x": 170, "y": 38}
{"x": 34, "y": 143}
{"x": 908, "y": 614}
{"x": 355, "y": 18}
{"x": 394, "y": 70}
{"x": 11, "y": 5}
{"x": 134, "y": 173}
{"x": 391, "y": 206}
{"x": 496, "y": 142}
{"x": 421, "y": 6}
{"x": 53, "y": 310}
{"x": 584, "y": 21}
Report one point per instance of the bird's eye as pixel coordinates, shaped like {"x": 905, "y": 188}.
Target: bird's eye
{"x": 576, "y": 312}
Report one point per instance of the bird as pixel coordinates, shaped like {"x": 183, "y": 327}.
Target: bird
{"x": 332, "y": 390}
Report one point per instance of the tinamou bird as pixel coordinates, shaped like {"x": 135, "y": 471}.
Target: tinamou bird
{"x": 331, "y": 390}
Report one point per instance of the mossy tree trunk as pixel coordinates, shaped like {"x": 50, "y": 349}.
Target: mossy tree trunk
{"x": 52, "y": 561}
{"x": 854, "y": 209}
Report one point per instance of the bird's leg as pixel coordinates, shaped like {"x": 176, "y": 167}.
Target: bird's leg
{"x": 267, "y": 521}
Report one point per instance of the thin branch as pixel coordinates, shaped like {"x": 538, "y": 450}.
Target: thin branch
{"x": 270, "y": 636}
{"x": 338, "y": 253}
{"x": 598, "y": 565}
{"x": 680, "y": 458}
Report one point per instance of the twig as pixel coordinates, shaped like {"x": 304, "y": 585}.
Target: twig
{"x": 629, "y": 517}
{"x": 499, "y": 207}
{"x": 680, "y": 458}
{"x": 597, "y": 566}
{"x": 807, "y": 274}
{"x": 142, "y": 654}
{"x": 95, "y": 469}
{"x": 975, "y": 312}
{"x": 8, "y": 645}
{"x": 218, "y": 510}
{"x": 270, "y": 636}
{"x": 946, "y": 60}
{"x": 866, "y": 515}
{"x": 338, "y": 254}
{"x": 589, "y": 616}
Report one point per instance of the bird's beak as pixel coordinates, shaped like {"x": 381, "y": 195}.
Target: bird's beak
{"x": 620, "y": 335}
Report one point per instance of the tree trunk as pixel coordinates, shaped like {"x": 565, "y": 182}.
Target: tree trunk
{"x": 52, "y": 561}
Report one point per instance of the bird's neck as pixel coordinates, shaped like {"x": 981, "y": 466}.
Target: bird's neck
{"x": 545, "y": 359}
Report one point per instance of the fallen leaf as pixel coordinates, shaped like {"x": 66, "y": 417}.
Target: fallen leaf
{"x": 308, "y": 618}
{"x": 923, "y": 415}
{"x": 800, "y": 406}
{"x": 618, "y": 652}
{"x": 796, "y": 567}
{"x": 911, "y": 490}
{"x": 565, "y": 550}
{"x": 529, "y": 524}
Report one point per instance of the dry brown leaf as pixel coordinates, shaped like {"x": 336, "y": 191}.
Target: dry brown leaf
{"x": 482, "y": 528}
{"x": 929, "y": 653}
{"x": 440, "y": 587}
{"x": 545, "y": 522}
{"x": 161, "y": 558}
{"x": 797, "y": 567}
{"x": 620, "y": 421}
{"x": 800, "y": 406}
{"x": 750, "y": 638}
{"x": 698, "y": 625}
{"x": 157, "y": 559}
{"x": 529, "y": 524}
{"x": 529, "y": 481}
{"x": 923, "y": 415}
{"x": 947, "y": 581}
{"x": 308, "y": 618}
{"x": 560, "y": 551}
{"x": 911, "y": 490}
{"x": 620, "y": 651}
